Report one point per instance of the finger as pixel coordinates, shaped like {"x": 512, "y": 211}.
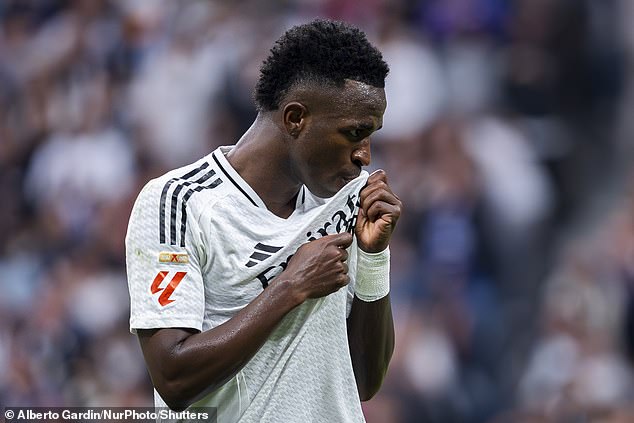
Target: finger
{"x": 342, "y": 240}
{"x": 377, "y": 175}
{"x": 343, "y": 279}
{"x": 376, "y": 186}
{"x": 374, "y": 179}
{"x": 342, "y": 267}
{"x": 378, "y": 195}
{"x": 343, "y": 255}
{"x": 380, "y": 209}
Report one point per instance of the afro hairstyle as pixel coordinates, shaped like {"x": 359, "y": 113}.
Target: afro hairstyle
{"x": 322, "y": 51}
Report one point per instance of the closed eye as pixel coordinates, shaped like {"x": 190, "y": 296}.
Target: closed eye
{"x": 357, "y": 134}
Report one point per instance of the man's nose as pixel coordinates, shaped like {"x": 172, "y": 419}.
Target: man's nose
{"x": 362, "y": 155}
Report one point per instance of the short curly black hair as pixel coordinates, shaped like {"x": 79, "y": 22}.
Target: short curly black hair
{"x": 322, "y": 51}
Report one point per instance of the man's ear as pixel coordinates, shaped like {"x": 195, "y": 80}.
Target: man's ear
{"x": 294, "y": 115}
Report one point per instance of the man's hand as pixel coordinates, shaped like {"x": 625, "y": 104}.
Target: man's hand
{"x": 318, "y": 267}
{"x": 379, "y": 211}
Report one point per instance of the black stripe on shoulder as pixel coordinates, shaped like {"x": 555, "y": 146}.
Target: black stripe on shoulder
{"x": 186, "y": 197}
{"x": 232, "y": 181}
{"x": 163, "y": 201}
{"x": 174, "y": 202}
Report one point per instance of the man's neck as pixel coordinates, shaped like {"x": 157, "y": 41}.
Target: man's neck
{"x": 260, "y": 158}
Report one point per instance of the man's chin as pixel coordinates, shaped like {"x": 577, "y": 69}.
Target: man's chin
{"x": 327, "y": 192}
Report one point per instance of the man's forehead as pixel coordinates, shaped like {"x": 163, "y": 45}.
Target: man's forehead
{"x": 353, "y": 96}
{"x": 359, "y": 93}
{"x": 354, "y": 100}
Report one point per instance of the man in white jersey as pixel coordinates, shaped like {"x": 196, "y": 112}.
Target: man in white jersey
{"x": 259, "y": 275}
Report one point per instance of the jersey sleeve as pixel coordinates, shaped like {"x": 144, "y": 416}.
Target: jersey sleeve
{"x": 164, "y": 278}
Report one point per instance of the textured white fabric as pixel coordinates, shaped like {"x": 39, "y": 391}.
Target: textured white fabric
{"x": 232, "y": 247}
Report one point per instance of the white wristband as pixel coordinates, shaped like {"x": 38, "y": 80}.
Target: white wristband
{"x": 373, "y": 275}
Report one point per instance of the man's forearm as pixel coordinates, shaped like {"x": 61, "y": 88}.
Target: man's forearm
{"x": 185, "y": 367}
{"x": 371, "y": 339}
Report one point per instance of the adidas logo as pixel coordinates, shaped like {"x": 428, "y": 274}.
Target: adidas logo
{"x": 261, "y": 253}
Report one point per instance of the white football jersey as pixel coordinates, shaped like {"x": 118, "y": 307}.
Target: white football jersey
{"x": 201, "y": 245}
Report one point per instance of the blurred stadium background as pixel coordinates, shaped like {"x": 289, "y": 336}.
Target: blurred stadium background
{"x": 508, "y": 136}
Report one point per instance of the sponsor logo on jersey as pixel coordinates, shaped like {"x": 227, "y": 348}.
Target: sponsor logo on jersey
{"x": 168, "y": 289}
{"x": 177, "y": 258}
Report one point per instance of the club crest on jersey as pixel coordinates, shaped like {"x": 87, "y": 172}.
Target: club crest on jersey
{"x": 176, "y": 258}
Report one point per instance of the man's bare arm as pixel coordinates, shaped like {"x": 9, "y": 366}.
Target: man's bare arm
{"x": 370, "y": 324}
{"x": 185, "y": 365}
{"x": 371, "y": 339}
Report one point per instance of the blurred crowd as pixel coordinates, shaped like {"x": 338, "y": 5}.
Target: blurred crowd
{"x": 506, "y": 136}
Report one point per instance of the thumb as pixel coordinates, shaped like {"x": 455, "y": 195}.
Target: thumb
{"x": 342, "y": 240}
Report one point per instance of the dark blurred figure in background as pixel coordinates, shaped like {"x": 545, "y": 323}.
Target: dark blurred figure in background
{"x": 507, "y": 134}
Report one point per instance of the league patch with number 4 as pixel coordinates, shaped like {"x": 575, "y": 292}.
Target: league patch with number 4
{"x": 167, "y": 289}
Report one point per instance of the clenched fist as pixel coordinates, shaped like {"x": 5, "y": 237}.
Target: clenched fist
{"x": 379, "y": 211}
{"x": 319, "y": 268}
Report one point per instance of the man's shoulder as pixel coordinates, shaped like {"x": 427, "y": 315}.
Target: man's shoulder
{"x": 183, "y": 182}
{"x": 169, "y": 204}
{"x": 174, "y": 194}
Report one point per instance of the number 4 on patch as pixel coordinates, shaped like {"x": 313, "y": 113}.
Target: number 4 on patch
{"x": 164, "y": 298}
